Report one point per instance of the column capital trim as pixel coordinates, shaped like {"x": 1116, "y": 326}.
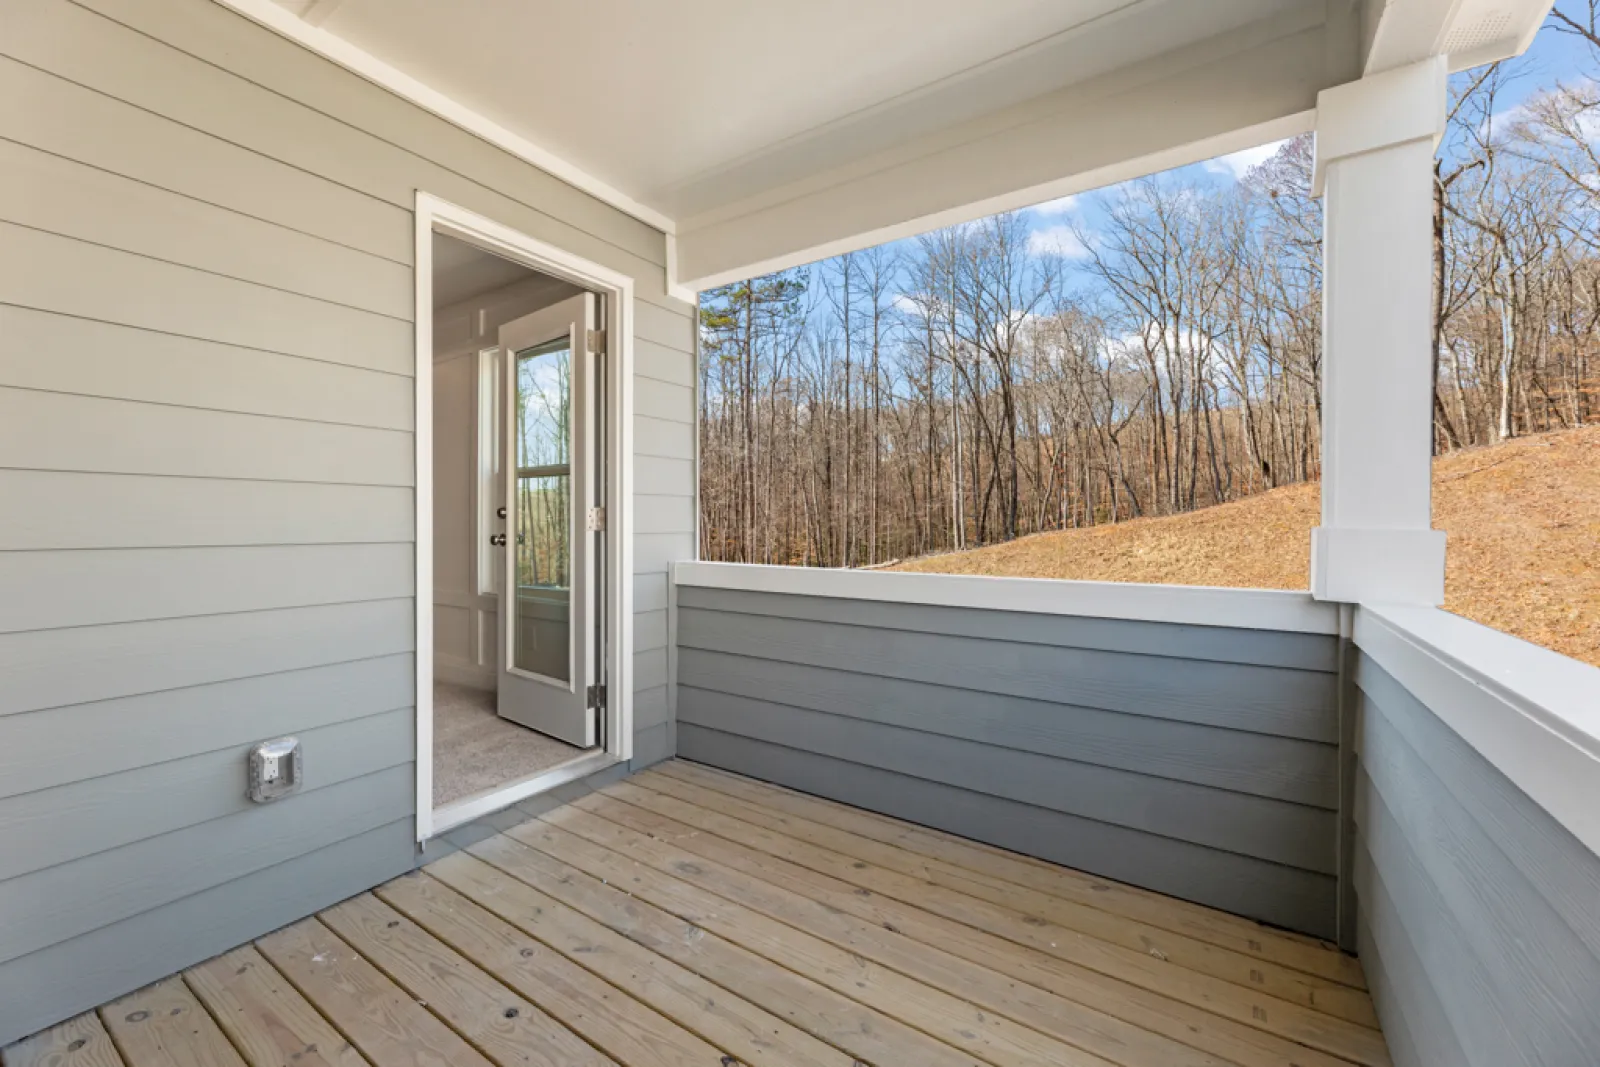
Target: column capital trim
{"x": 1395, "y": 107}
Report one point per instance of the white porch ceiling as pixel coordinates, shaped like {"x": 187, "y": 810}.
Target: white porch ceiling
{"x": 766, "y": 133}
{"x": 686, "y": 105}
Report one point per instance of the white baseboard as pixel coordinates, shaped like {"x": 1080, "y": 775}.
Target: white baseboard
{"x": 462, "y": 672}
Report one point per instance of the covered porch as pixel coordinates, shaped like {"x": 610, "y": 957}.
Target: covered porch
{"x": 913, "y": 819}
{"x": 690, "y": 916}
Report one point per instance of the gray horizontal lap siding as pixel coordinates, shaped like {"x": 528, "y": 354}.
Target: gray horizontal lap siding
{"x": 1480, "y": 926}
{"x": 1197, "y": 761}
{"x": 206, "y": 462}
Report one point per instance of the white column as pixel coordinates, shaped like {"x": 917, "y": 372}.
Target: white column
{"x": 1375, "y": 143}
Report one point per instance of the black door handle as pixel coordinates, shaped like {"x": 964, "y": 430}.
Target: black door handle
{"x": 497, "y": 539}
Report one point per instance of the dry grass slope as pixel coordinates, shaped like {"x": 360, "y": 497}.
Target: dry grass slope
{"x": 1524, "y": 555}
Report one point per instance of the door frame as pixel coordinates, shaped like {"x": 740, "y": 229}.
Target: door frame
{"x": 435, "y": 215}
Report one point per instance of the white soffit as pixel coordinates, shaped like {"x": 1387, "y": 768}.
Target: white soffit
{"x": 1470, "y": 32}
{"x": 679, "y": 107}
{"x": 765, "y": 134}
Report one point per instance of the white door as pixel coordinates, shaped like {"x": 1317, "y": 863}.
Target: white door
{"x": 548, "y": 603}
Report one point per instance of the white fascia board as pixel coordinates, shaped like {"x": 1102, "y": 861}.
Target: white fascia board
{"x": 336, "y": 48}
{"x": 1532, "y": 713}
{"x": 1215, "y": 97}
{"x": 1250, "y": 609}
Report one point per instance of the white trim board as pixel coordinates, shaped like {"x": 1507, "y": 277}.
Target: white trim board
{"x": 1251, "y": 609}
{"x": 1532, "y": 713}
{"x": 332, "y": 46}
{"x": 436, "y": 215}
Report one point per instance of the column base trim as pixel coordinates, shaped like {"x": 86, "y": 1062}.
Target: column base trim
{"x": 1357, "y": 566}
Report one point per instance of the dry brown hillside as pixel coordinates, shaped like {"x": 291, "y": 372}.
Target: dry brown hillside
{"x": 1524, "y": 555}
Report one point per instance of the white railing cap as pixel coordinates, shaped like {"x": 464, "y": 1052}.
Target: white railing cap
{"x": 1252, "y": 609}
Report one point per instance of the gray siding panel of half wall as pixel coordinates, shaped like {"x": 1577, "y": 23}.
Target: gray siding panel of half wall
{"x": 1479, "y": 905}
{"x": 1145, "y": 752}
{"x": 207, "y": 477}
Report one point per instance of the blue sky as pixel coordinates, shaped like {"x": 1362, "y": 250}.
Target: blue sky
{"x": 1553, "y": 57}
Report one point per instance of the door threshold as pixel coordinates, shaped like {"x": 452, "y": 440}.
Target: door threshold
{"x": 461, "y": 812}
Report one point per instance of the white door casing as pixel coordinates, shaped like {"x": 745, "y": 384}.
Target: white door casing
{"x": 436, "y": 215}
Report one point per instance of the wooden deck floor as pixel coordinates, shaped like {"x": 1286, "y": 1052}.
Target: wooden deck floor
{"x": 688, "y": 917}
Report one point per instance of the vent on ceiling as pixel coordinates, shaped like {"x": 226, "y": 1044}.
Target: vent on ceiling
{"x": 1478, "y": 29}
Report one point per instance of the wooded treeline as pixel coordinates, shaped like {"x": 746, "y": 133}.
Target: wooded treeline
{"x": 991, "y": 380}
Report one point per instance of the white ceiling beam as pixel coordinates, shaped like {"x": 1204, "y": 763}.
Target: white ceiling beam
{"x": 1208, "y": 99}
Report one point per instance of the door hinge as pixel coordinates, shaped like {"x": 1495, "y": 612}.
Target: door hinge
{"x": 596, "y": 522}
{"x": 597, "y": 697}
{"x": 597, "y": 342}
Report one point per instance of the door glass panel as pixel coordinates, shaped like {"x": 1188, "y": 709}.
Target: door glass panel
{"x": 542, "y": 510}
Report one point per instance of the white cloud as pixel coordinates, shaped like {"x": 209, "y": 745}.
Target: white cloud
{"x": 1057, "y": 241}
{"x": 906, "y": 303}
{"x": 1061, "y": 205}
{"x": 1236, "y": 164}
{"x": 1569, "y": 104}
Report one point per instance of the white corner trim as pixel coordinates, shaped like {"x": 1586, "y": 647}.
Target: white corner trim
{"x": 422, "y": 511}
{"x": 1532, "y": 713}
{"x": 1251, "y": 609}
{"x": 676, "y": 289}
{"x": 336, "y": 48}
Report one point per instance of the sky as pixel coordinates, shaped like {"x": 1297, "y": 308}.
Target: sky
{"x": 1054, "y": 225}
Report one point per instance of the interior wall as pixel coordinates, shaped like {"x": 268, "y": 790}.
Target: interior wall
{"x": 465, "y": 620}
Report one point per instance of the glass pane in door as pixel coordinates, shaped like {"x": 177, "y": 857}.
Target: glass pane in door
{"x": 541, "y": 510}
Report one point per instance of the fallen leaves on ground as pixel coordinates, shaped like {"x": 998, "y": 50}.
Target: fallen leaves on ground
{"x": 1523, "y": 521}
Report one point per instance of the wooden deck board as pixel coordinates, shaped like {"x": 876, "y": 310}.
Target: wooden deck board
{"x": 81, "y": 1041}
{"x": 628, "y": 1030}
{"x": 811, "y": 1006}
{"x": 1061, "y": 927}
{"x": 502, "y": 1025}
{"x": 884, "y": 935}
{"x": 265, "y": 1017}
{"x": 975, "y": 862}
{"x": 691, "y": 918}
{"x": 163, "y": 1025}
{"x": 478, "y": 893}
{"x": 1104, "y": 1007}
{"x": 387, "y": 1024}
{"x": 956, "y": 1021}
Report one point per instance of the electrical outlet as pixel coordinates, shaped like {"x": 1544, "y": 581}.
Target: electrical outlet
{"x": 276, "y": 769}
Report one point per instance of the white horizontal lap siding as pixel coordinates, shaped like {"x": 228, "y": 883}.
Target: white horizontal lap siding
{"x": 207, "y": 458}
